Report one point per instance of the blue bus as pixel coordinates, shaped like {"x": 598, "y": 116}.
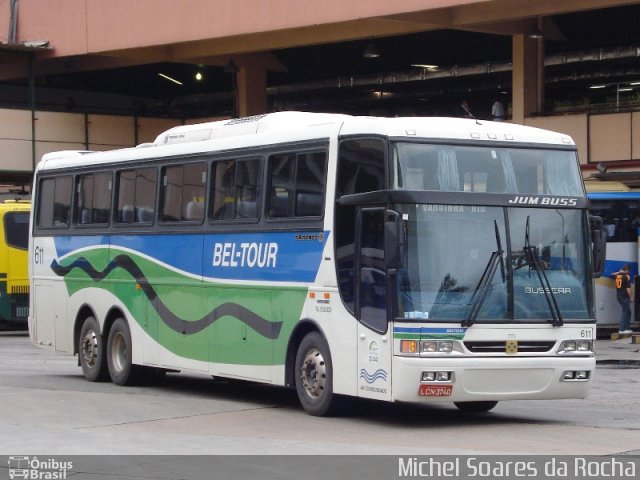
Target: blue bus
{"x": 620, "y": 213}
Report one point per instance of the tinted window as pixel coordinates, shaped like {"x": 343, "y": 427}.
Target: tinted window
{"x": 16, "y": 229}
{"x": 183, "y": 193}
{"x": 235, "y": 189}
{"x": 373, "y": 279}
{"x": 360, "y": 169}
{"x": 54, "y": 202}
{"x": 296, "y": 184}
{"x": 621, "y": 219}
{"x": 93, "y": 199}
{"x": 136, "y": 195}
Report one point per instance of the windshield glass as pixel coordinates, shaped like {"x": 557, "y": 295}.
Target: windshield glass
{"x": 486, "y": 169}
{"x": 494, "y": 264}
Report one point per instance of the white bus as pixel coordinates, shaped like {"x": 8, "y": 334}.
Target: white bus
{"x": 399, "y": 259}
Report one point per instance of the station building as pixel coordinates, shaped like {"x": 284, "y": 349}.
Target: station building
{"x": 96, "y": 75}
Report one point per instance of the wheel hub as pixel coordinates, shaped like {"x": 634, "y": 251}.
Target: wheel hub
{"x": 314, "y": 373}
{"x": 89, "y": 348}
{"x": 119, "y": 351}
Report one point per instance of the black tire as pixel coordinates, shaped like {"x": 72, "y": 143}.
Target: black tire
{"x": 121, "y": 369}
{"x": 475, "y": 407}
{"x": 91, "y": 351}
{"x": 314, "y": 376}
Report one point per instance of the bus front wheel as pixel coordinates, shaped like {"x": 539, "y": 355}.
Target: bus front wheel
{"x": 475, "y": 407}
{"x": 314, "y": 376}
{"x": 91, "y": 351}
{"x": 121, "y": 368}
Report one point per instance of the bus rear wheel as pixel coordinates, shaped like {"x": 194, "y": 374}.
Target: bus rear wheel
{"x": 314, "y": 376}
{"x": 91, "y": 351}
{"x": 121, "y": 368}
{"x": 475, "y": 407}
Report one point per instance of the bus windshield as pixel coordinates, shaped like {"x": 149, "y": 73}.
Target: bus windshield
{"x": 494, "y": 264}
{"x": 485, "y": 169}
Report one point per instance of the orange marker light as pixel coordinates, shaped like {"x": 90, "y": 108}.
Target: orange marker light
{"x": 409, "y": 346}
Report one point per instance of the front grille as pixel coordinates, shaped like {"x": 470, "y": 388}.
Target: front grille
{"x": 524, "y": 346}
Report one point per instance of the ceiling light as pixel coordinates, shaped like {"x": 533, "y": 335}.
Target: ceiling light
{"x": 167, "y": 77}
{"x": 199, "y": 76}
{"x": 634, "y": 83}
{"x": 431, "y": 68}
{"x": 594, "y": 87}
{"x": 370, "y": 51}
{"x": 536, "y": 34}
{"x": 625, "y": 89}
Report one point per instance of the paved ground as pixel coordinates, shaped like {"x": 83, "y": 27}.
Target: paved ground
{"x": 50, "y": 410}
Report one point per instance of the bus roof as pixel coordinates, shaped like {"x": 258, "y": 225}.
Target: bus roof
{"x": 18, "y": 205}
{"x": 281, "y": 127}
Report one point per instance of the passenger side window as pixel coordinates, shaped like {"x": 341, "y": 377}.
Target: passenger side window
{"x": 183, "y": 190}
{"x": 93, "y": 199}
{"x": 297, "y": 184}
{"x": 235, "y": 189}
{"x": 136, "y": 195}
{"x": 54, "y": 202}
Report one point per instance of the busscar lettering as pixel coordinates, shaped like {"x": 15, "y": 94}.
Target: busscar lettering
{"x": 239, "y": 255}
{"x": 542, "y": 291}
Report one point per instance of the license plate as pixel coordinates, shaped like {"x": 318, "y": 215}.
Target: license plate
{"x": 435, "y": 390}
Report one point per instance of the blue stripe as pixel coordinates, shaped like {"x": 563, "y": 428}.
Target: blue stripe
{"x": 406, "y": 330}
{"x": 430, "y": 330}
{"x": 273, "y": 256}
{"x": 614, "y": 195}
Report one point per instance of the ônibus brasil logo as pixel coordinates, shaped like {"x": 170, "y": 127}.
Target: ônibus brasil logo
{"x": 33, "y": 468}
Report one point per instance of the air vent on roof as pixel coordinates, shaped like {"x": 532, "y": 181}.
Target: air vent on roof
{"x": 254, "y": 118}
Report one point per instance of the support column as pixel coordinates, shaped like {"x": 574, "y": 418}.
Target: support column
{"x": 252, "y": 89}
{"x": 528, "y": 77}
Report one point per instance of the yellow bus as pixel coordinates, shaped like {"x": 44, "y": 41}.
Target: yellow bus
{"x": 14, "y": 278}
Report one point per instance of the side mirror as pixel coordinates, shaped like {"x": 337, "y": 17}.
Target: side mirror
{"x": 599, "y": 244}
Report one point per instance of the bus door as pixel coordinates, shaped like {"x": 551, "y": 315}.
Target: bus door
{"x": 373, "y": 306}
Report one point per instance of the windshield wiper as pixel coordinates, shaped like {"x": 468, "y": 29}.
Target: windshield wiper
{"x": 482, "y": 289}
{"x": 532, "y": 259}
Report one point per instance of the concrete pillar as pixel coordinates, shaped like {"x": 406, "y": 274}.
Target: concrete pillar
{"x": 251, "y": 89}
{"x": 528, "y": 77}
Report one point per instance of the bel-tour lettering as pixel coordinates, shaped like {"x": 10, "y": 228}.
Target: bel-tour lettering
{"x": 551, "y": 201}
{"x": 252, "y": 255}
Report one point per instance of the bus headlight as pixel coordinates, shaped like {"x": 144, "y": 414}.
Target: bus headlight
{"x": 584, "y": 346}
{"x": 436, "y": 346}
{"x": 576, "y": 346}
{"x": 443, "y": 376}
{"x": 575, "y": 376}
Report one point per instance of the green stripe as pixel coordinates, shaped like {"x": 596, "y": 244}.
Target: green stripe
{"x": 407, "y": 336}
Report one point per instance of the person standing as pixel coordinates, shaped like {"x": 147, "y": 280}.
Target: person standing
{"x": 624, "y": 297}
{"x": 497, "y": 111}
